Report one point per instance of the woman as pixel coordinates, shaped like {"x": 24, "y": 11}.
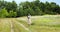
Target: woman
{"x": 29, "y": 19}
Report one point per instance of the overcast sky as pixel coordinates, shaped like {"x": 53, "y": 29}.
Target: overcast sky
{"x": 19, "y": 1}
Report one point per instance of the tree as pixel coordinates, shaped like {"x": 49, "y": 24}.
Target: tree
{"x": 14, "y": 6}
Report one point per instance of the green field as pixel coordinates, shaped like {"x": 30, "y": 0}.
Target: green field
{"x": 46, "y": 23}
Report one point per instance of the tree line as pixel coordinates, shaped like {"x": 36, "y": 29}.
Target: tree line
{"x": 12, "y": 9}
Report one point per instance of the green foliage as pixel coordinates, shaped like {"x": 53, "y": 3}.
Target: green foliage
{"x": 12, "y": 14}
{"x": 3, "y": 13}
{"x": 34, "y": 8}
{"x": 39, "y": 8}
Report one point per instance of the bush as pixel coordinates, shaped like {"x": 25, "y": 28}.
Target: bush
{"x": 3, "y": 13}
{"x": 12, "y": 14}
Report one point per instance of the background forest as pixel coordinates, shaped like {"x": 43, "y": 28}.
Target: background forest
{"x": 12, "y": 9}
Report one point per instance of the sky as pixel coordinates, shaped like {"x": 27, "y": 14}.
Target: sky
{"x": 19, "y": 1}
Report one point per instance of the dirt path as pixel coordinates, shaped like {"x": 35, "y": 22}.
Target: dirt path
{"x": 22, "y": 25}
{"x": 11, "y": 23}
{"x": 12, "y": 29}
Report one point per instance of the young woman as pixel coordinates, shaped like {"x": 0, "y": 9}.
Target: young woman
{"x": 29, "y": 19}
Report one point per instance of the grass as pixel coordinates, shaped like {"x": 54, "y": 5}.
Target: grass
{"x": 4, "y": 26}
{"x": 46, "y": 23}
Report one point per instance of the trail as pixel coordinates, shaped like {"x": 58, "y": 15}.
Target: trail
{"x": 22, "y": 26}
{"x": 12, "y": 29}
{"x": 12, "y": 21}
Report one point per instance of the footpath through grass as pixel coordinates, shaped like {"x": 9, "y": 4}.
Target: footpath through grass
{"x": 39, "y": 24}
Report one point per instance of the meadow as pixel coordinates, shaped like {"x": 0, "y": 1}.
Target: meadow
{"x": 45, "y": 23}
